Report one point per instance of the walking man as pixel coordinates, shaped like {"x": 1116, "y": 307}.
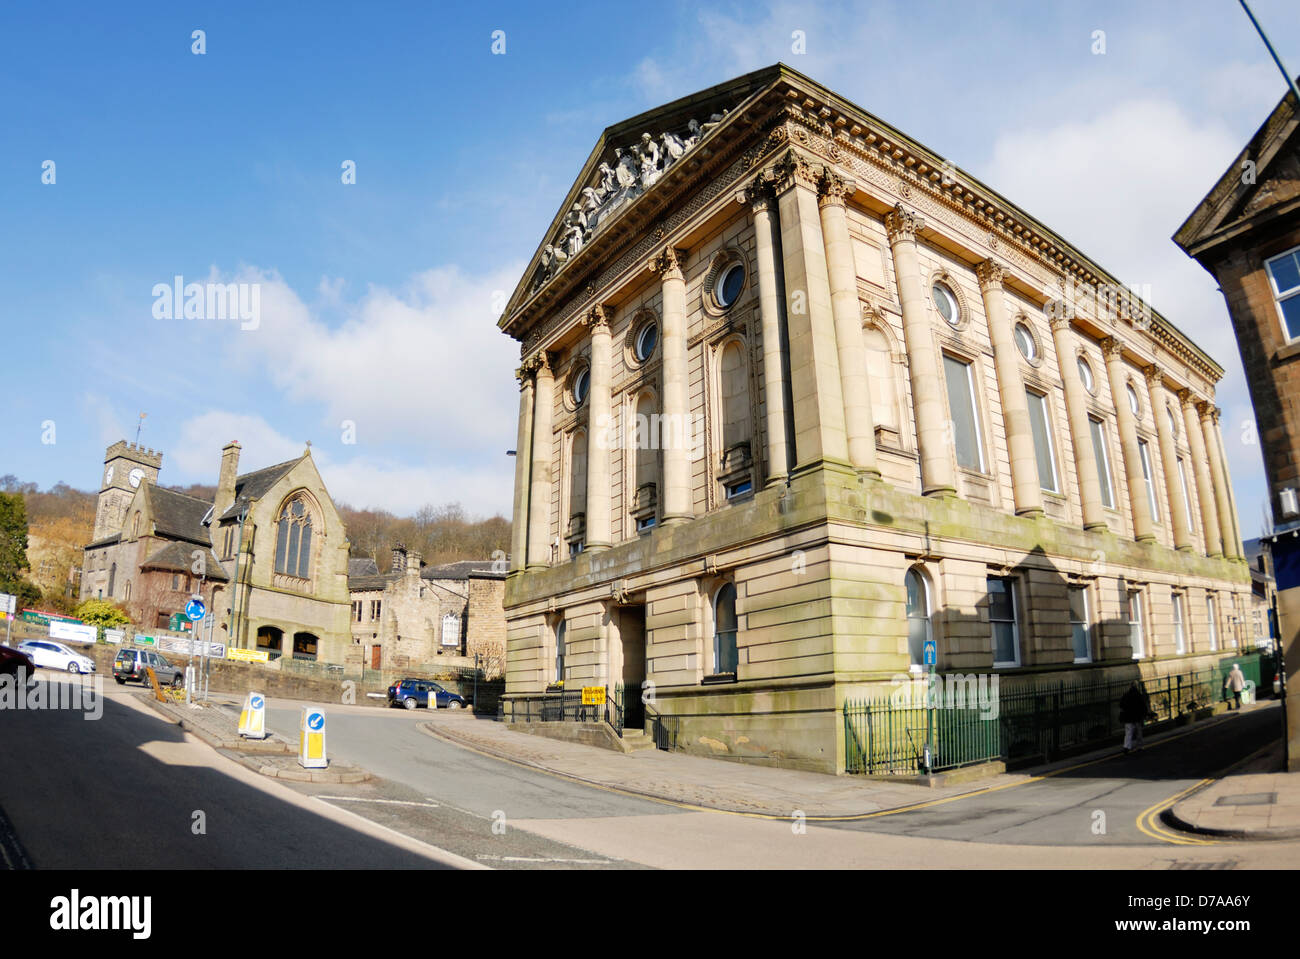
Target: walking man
{"x": 1236, "y": 681}
{"x": 1133, "y": 710}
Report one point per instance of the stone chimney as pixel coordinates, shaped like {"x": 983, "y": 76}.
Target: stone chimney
{"x": 413, "y": 563}
{"x": 399, "y": 559}
{"x": 225, "y": 497}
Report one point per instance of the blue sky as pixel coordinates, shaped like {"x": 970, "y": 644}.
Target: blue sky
{"x": 377, "y": 297}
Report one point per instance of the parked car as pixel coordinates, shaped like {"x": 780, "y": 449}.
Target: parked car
{"x": 52, "y": 655}
{"x": 16, "y": 664}
{"x": 131, "y": 663}
{"x": 411, "y": 693}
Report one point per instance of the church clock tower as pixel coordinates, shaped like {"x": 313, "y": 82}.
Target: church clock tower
{"x": 126, "y": 466}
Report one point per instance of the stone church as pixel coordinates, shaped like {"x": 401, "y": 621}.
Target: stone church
{"x": 800, "y": 401}
{"x": 269, "y": 554}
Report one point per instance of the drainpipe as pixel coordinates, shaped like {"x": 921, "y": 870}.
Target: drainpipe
{"x": 234, "y": 585}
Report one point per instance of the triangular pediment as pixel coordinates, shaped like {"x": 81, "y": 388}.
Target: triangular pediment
{"x": 1264, "y": 177}
{"x": 630, "y": 160}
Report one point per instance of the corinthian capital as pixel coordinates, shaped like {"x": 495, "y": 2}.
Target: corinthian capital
{"x": 1186, "y": 398}
{"x": 903, "y": 224}
{"x": 791, "y": 169}
{"x": 833, "y": 189}
{"x": 539, "y": 364}
{"x": 598, "y": 317}
{"x": 757, "y": 193}
{"x": 990, "y": 273}
{"x": 668, "y": 263}
{"x": 1153, "y": 376}
{"x": 525, "y": 376}
{"x": 1112, "y": 346}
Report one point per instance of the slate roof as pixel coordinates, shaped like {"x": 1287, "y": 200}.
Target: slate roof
{"x": 106, "y": 541}
{"x": 461, "y": 570}
{"x": 362, "y": 567}
{"x": 179, "y": 557}
{"x": 255, "y": 485}
{"x": 179, "y": 515}
{"x": 378, "y": 581}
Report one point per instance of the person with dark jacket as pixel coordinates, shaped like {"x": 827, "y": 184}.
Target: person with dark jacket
{"x": 1133, "y": 709}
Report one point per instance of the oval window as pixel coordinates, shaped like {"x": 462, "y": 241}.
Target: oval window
{"x": 645, "y": 342}
{"x": 1085, "y": 375}
{"x": 1025, "y": 342}
{"x": 1132, "y": 398}
{"x": 581, "y": 386}
{"x": 729, "y": 285}
{"x": 946, "y": 303}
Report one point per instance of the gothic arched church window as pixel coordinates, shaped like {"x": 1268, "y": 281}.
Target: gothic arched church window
{"x": 293, "y": 540}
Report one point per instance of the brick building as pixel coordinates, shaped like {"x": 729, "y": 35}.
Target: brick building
{"x": 797, "y": 396}
{"x": 1246, "y": 234}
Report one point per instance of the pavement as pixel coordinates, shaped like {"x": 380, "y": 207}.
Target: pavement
{"x": 1253, "y": 800}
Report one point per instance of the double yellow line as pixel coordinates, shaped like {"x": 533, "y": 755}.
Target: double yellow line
{"x": 1149, "y": 822}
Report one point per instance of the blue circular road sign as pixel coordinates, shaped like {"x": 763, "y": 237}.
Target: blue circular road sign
{"x": 256, "y": 702}
{"x": 195, "y": 610}
{"x": 315, "y": 720}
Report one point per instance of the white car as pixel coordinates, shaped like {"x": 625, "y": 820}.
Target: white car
{"x": 52, "y": 655}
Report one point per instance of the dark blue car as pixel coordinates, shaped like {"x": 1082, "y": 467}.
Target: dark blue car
{"x": 411, "y": 693}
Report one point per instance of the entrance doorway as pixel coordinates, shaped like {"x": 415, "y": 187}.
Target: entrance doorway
{"x": 631, "y": 633}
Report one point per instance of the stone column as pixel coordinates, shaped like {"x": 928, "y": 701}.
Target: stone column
{"x": 523, "y": 463}
{"x": 539, "y": 500}
{"x": 1025, "y": 481}
{"x": 1159, "y": 399}
{"x": 763, "y": 205}
{"x": 674, "y": 432}
{"x": 846, "y": 309}
{"x": 1076, "y": 405}
{"x": 1201, "y": 467}
{"x": 1219, "y": 480}
{"x": 1233, "y": 515}
{"x": 816, "y": 393}
{"x": 932, "y": 418}
{"x": 599, "y": 423}
{"x": 1137, "y": 494}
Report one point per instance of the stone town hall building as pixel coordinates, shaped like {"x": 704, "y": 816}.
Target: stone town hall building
{"x": 797, "y": 395}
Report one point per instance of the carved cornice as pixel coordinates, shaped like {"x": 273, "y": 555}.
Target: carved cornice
{"x": 833, "y": 189}
{"x": 903, "y": 224}
{"x": 990, "y": 274}
{"x": 668, "y": 263}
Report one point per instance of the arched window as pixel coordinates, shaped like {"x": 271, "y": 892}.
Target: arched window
{"x": 559, "y": 652}
{"x": 880, "y": 374}
{"x": 578, "y": 474}
{"x": 724, "y": 630}
{"x": 293, "y": 540}
{"x": 646, "y": 441}
{"x": 918, "y": 615}
{"x": 735, "y": 395}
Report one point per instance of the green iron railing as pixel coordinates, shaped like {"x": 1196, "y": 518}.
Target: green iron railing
{"x": 1027, "y": 721}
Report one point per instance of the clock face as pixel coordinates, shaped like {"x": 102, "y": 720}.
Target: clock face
{"x": 135, "y": 476}
{"x": 108, "y": 477}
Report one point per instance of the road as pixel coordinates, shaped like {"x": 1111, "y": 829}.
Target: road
{"x": 122, "y": 792}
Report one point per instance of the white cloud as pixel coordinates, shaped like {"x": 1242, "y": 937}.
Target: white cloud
{"x": 361, "y": 480}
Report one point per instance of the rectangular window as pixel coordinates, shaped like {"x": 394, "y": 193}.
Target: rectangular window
{"x": 1211, "y": 615}
{"x": 1098, "y": 429}
{"x": 356, "y": 611}
{"x": 1180, "y": 634}
{"x": 1187, "y": 494}
{"x": 1080, "y": 625}
{"x": 1002, "y": 619}
{"x": 1144, "y": 454}
{"x": 1135, "y": 632}
{"x": 1284, "y": 274}
{"x": 375, "y": 607}
{"x": 962, "y": 408}
{"x": 1038, "y": 419}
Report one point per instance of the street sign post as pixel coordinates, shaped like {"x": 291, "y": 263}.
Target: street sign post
{"x": 311, "y": 738}
{"x": 8, "y": 603}
{"x": 252, "y": 718}
{"x": 931, "y": 656}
